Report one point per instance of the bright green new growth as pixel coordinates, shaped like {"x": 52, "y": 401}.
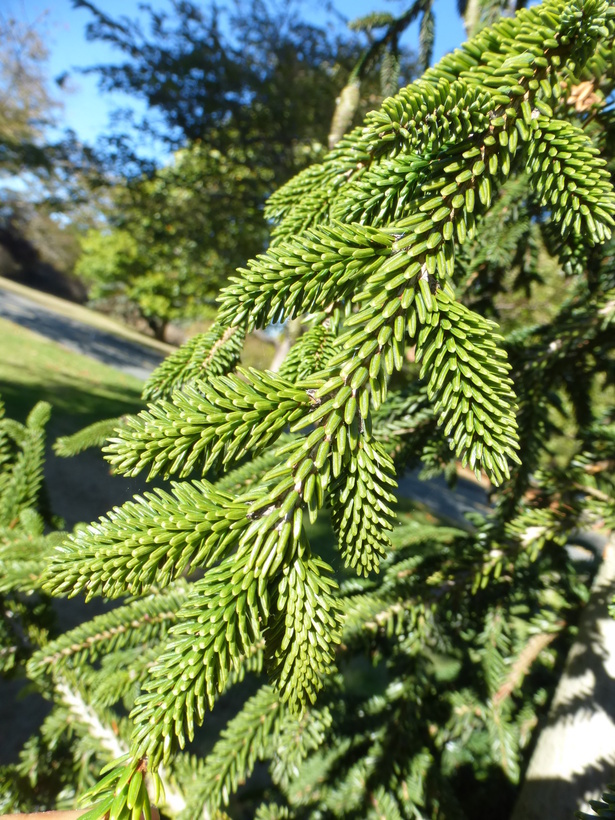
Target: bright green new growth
{"x": 365, "y": 246}
{"x": 26, "y": 620}
{"x": 21, "y": 460}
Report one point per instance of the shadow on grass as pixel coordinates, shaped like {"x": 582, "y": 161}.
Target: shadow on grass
{"x": 79, "y": 389}
{"x": 76, "y": 400}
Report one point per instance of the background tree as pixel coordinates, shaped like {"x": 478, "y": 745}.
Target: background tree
{"x": 245, "y": 97}
{"x": 178, "y": 234}
{"x": 37, "y": 249}
{"x": 27, "y": 107}
{"x": 202, "y": 69}
{"x": 55, "y": 177}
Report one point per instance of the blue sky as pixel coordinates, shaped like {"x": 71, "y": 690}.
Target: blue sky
{"x": 87, "y": 111}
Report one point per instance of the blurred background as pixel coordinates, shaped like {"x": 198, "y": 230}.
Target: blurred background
{"x": 138, "y": 142}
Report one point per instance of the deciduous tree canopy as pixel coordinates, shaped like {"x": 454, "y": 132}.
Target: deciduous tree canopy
{"x": 27, "y": 107}
{"x": 246, "y": 97}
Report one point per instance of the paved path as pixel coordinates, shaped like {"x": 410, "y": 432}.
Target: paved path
{"x": 123, "y": 354}
{"x": 468, "y": 496}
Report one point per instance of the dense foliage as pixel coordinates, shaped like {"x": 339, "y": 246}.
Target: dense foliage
{"x": 406, "y": 663}
{"x": 27, "y": 619}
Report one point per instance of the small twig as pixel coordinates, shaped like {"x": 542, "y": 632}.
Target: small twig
{"x": 522, "y": 665}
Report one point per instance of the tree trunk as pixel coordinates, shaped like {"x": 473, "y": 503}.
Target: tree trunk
{"x": 574, "y": 759}
{"x": 157, "y": 326}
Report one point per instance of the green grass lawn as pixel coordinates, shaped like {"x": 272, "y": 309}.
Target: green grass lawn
{"x": 81, "y": 390}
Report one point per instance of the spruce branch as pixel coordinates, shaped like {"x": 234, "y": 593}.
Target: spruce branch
{"x": 311, "y": 351}
{"x": 133, "y": 625}
{"x": 254, "y": 732}
{"x": 213, "y": 353}
{"x": 475, "y": 407}
{"x": 207, "y": 424}
{"x": 361, "y": 512}
{"x": 374, "y": 245}
{"x": 21, "y": 485}
{"x": 303, "y": 274}
{"x": 94, "y": 435}
{"x": 152, "y": 540}
{"x": 303, "y": 631}
{"x": 215, "y": 629}
{"x": 604, "y": 808}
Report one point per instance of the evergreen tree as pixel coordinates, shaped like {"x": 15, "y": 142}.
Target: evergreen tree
{"x": 405, "y": 663}
{"x": 26, "y": 105}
